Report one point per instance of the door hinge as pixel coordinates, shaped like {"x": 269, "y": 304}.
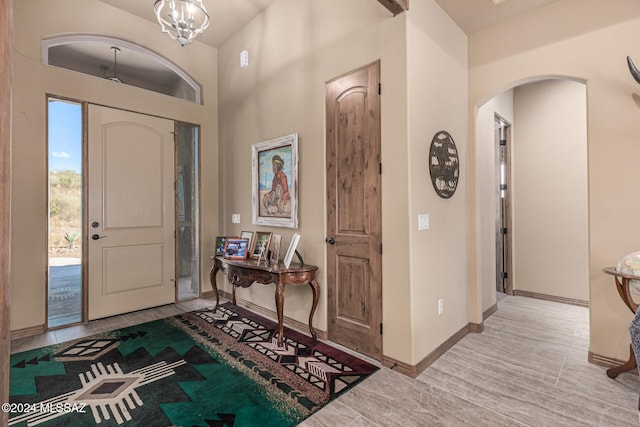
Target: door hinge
{"x": 503, "y": 142}
{"x": 380, "y": 328}
{"x": 380, "y": 248}
{"x": 503, "y": 230}
{"x": 503, "y": 186}
{"x": 504, "y": 275}
{"x": 379, "y": 88}
{"x": 380, "y": 168}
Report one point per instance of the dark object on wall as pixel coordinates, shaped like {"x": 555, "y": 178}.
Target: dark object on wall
{"x": 395, "y": 6}
{"x": 634, "y": 71}
{"x": 444, "y": 164}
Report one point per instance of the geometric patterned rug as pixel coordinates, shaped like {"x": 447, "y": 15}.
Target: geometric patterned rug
{"x": 202, "y": 368}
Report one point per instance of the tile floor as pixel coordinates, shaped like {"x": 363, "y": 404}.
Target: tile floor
{"x": 528, "y": 368}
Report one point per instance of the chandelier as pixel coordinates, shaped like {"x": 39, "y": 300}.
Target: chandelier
{"x": 183, "y": 20}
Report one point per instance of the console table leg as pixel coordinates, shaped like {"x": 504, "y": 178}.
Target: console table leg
{"x": 214, "y": 285}
{"x": 316, "y": 297}
{"x": 280, "y": 311}
{"x": 627, "y": 366}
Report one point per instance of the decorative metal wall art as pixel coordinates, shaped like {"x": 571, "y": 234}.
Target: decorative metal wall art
{"x": 444, "y": 164}
{"x": 635, "y": 73}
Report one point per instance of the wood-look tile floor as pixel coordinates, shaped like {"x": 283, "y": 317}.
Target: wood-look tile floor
{"x": 527, "y": 368}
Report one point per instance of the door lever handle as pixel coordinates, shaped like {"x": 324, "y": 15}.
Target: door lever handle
{"x": 330, "y": 240}
{"x": 97, "y": 236}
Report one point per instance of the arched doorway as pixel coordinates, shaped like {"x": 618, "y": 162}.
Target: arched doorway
{"x": 549, "y": 191}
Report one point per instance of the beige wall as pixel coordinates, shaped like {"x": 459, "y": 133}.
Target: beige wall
{"x": 282, "y": 91}
{"x": 550, "y": 206}
{"x": 437, "y": 99}
{"x": 590, "y": 46}
{"x": 294, "y": 48}
{"x": 485, "y": 187}
{"x": 34, "y": 20}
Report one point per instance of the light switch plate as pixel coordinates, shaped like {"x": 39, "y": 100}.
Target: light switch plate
{"x": 423, "y": 222}
{"x": 235, "y": 218}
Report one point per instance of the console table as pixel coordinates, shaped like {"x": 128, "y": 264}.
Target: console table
{"x": 243, "y": 273}
{"x": 622, "y": 285}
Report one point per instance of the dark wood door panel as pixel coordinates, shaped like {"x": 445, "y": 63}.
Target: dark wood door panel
{"x": 354, "y": 267}
{"x": 351, "y": 161}
{"x": 353, "y": 302}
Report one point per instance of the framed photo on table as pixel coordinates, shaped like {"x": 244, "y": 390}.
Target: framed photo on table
{"x": 260, "y": 246}
{"x": 247, "y": 235}
{"x": 220, "y": 241}
{"x": 274, "y": 246}
{"x": 275, "y": 182}
{"x": 235, "y": 248}
{"x": 292, "y": 250}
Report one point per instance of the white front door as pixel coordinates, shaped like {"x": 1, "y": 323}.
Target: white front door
{"x": 131, "y": 212}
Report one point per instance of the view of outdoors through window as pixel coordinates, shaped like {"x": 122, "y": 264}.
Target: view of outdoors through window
{"x": 65, "y": 212}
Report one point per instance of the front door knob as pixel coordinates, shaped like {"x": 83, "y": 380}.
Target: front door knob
{"x": 330, "y": 240}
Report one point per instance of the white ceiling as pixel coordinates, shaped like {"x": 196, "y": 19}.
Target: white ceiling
{"x": 229, "y": 16}
{"x": 226, "y": 17}
{"x": 476, "y": 15}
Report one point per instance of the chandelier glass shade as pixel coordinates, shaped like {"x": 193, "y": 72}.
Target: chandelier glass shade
{"x": 182, "y": 20}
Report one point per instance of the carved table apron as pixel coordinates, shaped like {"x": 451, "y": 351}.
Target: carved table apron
{"x": 243, "y": 273}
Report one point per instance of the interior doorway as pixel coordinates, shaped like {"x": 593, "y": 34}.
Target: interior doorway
{"x": 504, "y": 262}
{"x": 354, "y": 226}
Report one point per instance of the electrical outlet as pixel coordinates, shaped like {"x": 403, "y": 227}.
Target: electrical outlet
{"x": 235, "y": 218}
{"x": 440, "y": 306}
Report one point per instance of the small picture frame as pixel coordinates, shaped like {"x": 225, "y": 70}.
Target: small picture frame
{"x": 220, "y": 241}
{"x": 260, "y": 246}
{"x": 247, "y": 235}
{"x": 292, "y": 249}
{"x": 274, "y": 245}
{"x": 235, "y": 248}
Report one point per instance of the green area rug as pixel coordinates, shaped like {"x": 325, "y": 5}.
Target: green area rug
{"x": 201, "y": 368}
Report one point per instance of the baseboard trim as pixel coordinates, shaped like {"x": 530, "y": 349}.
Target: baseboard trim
{"x": 28, "y": 332}
{"x": 400, "y": 367}
{"x": 553, "y": 298}
{"x": 208, "y": 294}
{"x": 414, "y": 370}
{"x": 476, "y": 328}
{"x": 489, "y": 311}
{"x": 272, "y": 315}
{"x": 607, "y": 362}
